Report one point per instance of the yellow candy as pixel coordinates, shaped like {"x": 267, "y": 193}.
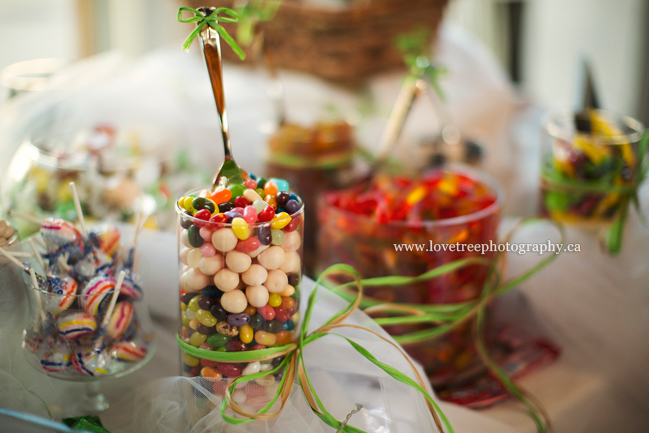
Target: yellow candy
{"x": 197, "y": 339}
{"x": 275, "y": 300}
{"x": 241, "y": 229}
{"x": 246, "y": 333}
{"x": 206, "y": 318}
{"x": 190, "y": 360}
{"x": 280, "y": 221}
{"x": 194, "y": 324}
{"x": 183, "y": 306}
{"x": 187, "y": 204}
{"x": 181, "y": 202}
{"x": 185, "y": 321}
{"x": 193, "y": 304}
{"x": 288, "y": 291}
{"x": 265, "y": 338}
{"x": 416, "y": 196}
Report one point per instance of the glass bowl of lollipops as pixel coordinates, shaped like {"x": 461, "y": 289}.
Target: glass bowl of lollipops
{"x": 87, "y": 319}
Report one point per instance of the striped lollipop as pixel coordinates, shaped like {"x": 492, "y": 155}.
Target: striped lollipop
{"x": 58, "y": 233}
{"x": 72, "y": 326}
{"x": 56, "y": 359}
{"x": 120, "y": 319}
{"x": 128, "y": 351}
{"x": 92, "y": 363}
{"x": 61, "y": 294}
{"x": 95, "y": 292}
{"x": 131, "y": 289}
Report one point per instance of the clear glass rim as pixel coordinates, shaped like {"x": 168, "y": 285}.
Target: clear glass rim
{"x": 550, "y": 123}
{"x": 181, "y": 212}
{"x": 474, "y": 174}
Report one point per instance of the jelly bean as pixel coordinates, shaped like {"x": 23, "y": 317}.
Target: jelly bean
{"x": 197, "y": 339}
{"x": 207, "y": 302}
{"x": 261, "y": 182}
{"x": 246, "y": 334}
{"x": 274, "y": 326}
{"x": 266, "y": 214}
{"x": 283, "y": 337}
{"x": 221, "y": 195}
{"x": 255, "y": 275}
{"x": 200, "y": 203}
{"x": 240, "y": 228}
{"x": 207, "y": 330}
{"x": 259, "y": 250}
{"x": 219, "y": 312}
{"x": 282, "y": 185}
{"x": 265, "y": 235}
{"x": 237, "y": 261}
{"x": 236, "y": 346}
{"x": 207, "y": 249}
{"x": 252, "y": 196}
{"x": 293, "y": 280}
{"x": 265, "y": 338}
{"x": 186, "y": 297}
{"x": 226, "y": 207}
{"x": 193, "y": 258}
{"x": 256, "y": 321}
{"x": 280, "y": 221}
{"x": 259, "y": 205}
{"x": 217, "y": 340}
{"x": 282, "y": 314}
{"x": 186, "y": 222}
{"x": 293, "y": 311}
{"x": 257, "y": 296}
{"x": 266, "y": 367}
{"x": 270, "y": 188}
{"x": 190, "y": 360}
{"x": 251, "y": 368}
{"x": 274, "y": 300}
{"x": 190, "y": 314}
{"x": 234, "y": 301}
{"x": 185, "y": 321}
{"x": 277, "y": 361}
{"x": 183, "y": 306}
{"x": 258, "y": 347}
{"x": 193, "y": 304}
{"x": 288, "y": 302}
{"x": 250, "y": 214}
{"x": 267, "y": 312}
{"x": 187, "y": 204}
{"x": 204, "y": 361}
{"x": 237, "y": 191}
{"x": 194, "y": 237}
{"x": 210, "y": 374}
{"x": 211, "y": 292}
{"x": 294, "y": 197}
{"x": 217, "y": 221}
{"x": 292, "y": 226}
{"x": 226, "y": 329}
{"x": 277, "y": 236}
{"x": 280, "y": 209}
{"x": 206, "y": 318}
{"x": 272, "y": 258}
{"x": 211, "y": 265}
{"x": 250, "y": 310}
{"x": 229, "y": 370}
{"x": 193, "y": 324}
{"x": 292, "y": 206}
{"x": 240, "y": 202}
{"x": 239, "y": 319}
{"x": 272, "y": 202}
{"x": 289, "y": 290}
{"x": 202, "y": 217}
{"x": 248, "y": 245}
{"x": 289, "y": 325}
{"x": 224, "y": 240}
{"x": 282, "y": 198}
{"x": 250, "y": 183}
{"x": 232, "y": 215}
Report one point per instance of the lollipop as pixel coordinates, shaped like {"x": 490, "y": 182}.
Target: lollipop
{"x": 119, "y": 320}
{"x": 62, "y": 294}
{"x": 95, "y": 292}
{"x": 57, "y": 358}
{"x": 128, "y": 351}
{"x": 91, "y": 363}
{"x": 58, "y": 233}
{"x": 72, "y": 326}
{"x": 131, "y": 289}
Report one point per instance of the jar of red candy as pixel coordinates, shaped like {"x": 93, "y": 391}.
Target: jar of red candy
{"x": 313, "y": 159}
{"x": 240, "y": 253}
{"x": 403, "y": 226}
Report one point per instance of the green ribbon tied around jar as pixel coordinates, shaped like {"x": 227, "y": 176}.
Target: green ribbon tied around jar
{"x": 611, "y": 239}
{"x": 446, "y": 317}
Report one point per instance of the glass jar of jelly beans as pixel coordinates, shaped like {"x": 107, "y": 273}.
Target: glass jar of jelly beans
{"x": 444, "y": 207}
{"x": 240, "y": 254}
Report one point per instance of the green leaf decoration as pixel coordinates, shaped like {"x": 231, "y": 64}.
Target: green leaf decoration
{"x": 218, "y": 15}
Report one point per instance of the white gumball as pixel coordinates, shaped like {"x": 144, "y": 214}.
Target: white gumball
{"x": 257, "y": 296}
{"x": 184, "y": 239}
{"x": 210, "y": 265}
{"x": 224, "y": 240}
{"x": 226, "y": 280}
{"x": 238, "y": 261}
{"x": 276, "y": 281}
{"x": 255, "y": 275}
{"x": 292, "y": 241}
{"x": 234, "y": 301}
{"x": 292, "y": 263}
{"x": 193, "y": 257}
{"x": 272, "y": 258}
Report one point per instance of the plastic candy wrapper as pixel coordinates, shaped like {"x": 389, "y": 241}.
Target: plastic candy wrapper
{"x": 365, "y": 228}
{"x": 240, "y": 272}
{"x": 314, "y": 159}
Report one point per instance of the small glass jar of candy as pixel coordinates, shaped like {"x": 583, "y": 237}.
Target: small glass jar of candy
{"x": 313, "y": 159}
{"x": 398, "y": 226}
{"x": 240, "y": 253}
{"x": 587, "y": 162}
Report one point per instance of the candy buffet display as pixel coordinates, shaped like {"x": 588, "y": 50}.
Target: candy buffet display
{"x": 114, "y": 171}
{"x": 588, "y": 167}
{"x": 313, "y": 159}
{"x": 88, "y": 320}
{"x": 402, "y": 226}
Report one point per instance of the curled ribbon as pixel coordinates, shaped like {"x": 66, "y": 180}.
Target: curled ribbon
{"x": 201, "y": 19}
{"x": 447, "y": 316}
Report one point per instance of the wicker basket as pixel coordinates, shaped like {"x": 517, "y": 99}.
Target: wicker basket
{"x": 342, "y": 45}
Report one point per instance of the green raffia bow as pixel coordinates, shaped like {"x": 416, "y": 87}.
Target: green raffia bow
{"x": 252, "y": 13}
{"x": 448, "y": 316}
{"x": 89, "y": 423}
{"x": 212, "y": 20}
{"x": 414, "y": 47}
{"x": 612, "y": 239}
